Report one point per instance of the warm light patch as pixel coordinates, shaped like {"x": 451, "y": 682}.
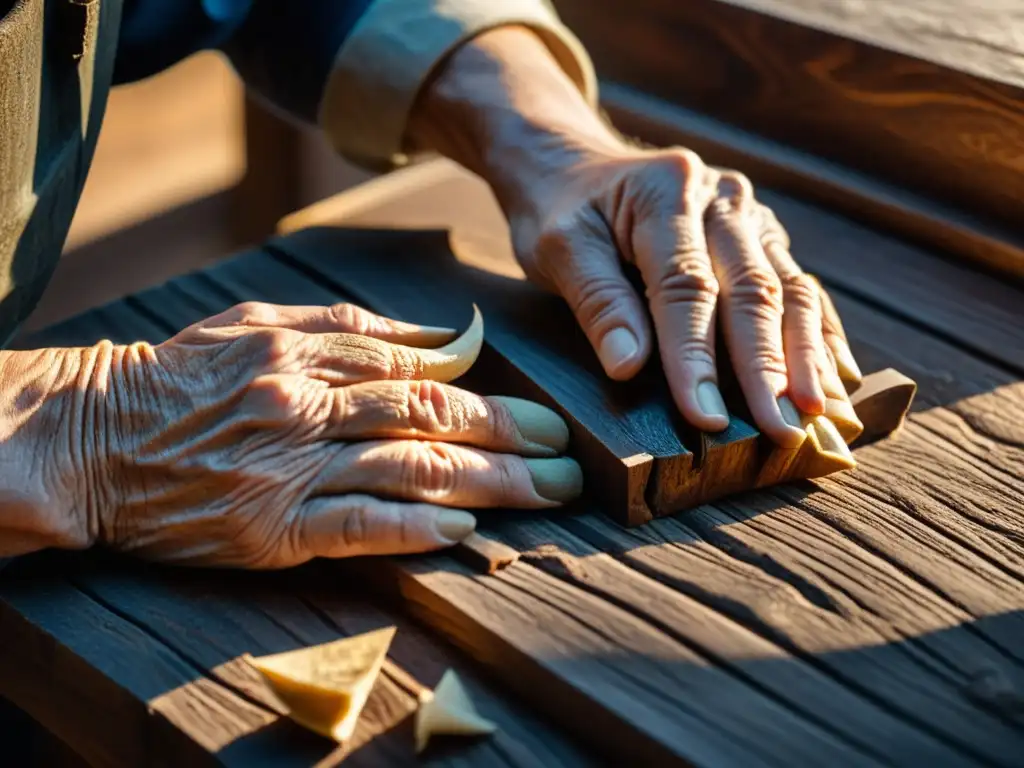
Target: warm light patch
{"x": 326, "y": 686}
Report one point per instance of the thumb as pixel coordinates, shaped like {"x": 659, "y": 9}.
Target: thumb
{"x": 587, "y": 271}
{"x": 346, "y": 526}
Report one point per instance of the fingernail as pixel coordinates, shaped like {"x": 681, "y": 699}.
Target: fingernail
{"x": 537, "y": 424}
{"x": 618, "y": 347}
{"x": 848, "y": 368}
{"x": 558, "y": 480}
{"x": 710, "y": 400}
{"x": 790, "y": 413}
{"x": 454, "y": 525}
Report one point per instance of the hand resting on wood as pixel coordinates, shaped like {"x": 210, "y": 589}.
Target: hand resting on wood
{"x": 266, "y": 436}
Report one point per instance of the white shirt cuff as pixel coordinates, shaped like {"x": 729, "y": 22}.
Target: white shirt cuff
{"x": 396, "y": 45}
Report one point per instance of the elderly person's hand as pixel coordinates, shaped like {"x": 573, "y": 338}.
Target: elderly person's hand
{"x": 581, "y": 203}
{"x": 266, "y": 436}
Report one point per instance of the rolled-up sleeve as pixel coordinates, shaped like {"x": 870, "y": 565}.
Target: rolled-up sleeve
{"x": 355, "y": 67}
{"x": 394, "y": 47}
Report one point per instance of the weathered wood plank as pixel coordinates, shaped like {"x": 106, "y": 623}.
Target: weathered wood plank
{"x": 214, "y": 621}
{"x": 933, "y": 699}
{"x": 984, "y": 42}
{"x": 889, "y": 597}
{"x": 942, "y": 132}
{"x": 624, "y": 722}
{"x": 73, "y": 665}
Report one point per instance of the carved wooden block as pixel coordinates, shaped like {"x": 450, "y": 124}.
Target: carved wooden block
{"x": 639, "y": 458}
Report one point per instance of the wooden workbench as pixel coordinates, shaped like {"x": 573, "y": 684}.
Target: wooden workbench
{"x": 873, "y": 617}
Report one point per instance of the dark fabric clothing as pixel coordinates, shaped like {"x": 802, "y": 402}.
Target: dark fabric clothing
{"x": 58, "y": 60}
{"x": 283, "y": 49}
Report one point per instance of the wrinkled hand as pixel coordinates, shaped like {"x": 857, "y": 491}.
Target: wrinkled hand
{"x": 269, "y": 435}
{"x": 705, "y": 248}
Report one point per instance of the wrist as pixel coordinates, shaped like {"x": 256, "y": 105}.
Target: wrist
{"x": 52, "y": 443}
{"x": 502, "y": 107}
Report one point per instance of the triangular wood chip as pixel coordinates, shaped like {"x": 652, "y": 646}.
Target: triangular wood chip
{"x": 448, "y": 710}
{"x": 325, "y": 687}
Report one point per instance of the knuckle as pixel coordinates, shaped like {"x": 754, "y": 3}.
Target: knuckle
{"x": 800, "y": 291}
{"x": 269, "y": 348}
{"x": 735, "y": 184}
{"x": 430, "y": 469}
{"x": 754, "y": 285}
{"x": 734, "y": 194}
{"x": 562, "y": 237}
{"x": 431, "y": 409}
{"x": 355, "y": 525}
{"x": 695, "y": 351}
{"x": 682, "y": 165}
{"x": 597, "y": 296}
{"x": 272, "y": 397}
{"x": 766, "y": 362}
{"x": 400, "y": 362}
{"x": 351, "y": 318}
{"x": 254, "y": 313}
{"x": 688, "y": 280}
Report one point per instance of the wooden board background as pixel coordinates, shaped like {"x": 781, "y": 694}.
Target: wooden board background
{"x": 873, "y": 617}
{"x": 931, "y": 127}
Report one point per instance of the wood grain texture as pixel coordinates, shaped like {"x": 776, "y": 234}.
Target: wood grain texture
{"x": 872, "y": 618}
{"x": 929, "y": 127}
{"x": 982, "y": 39}
{"x": 484, "y": 554}
{"x": 856, "y": 194}
{"x": 172, "y": 640}
{"x": 910, "y": 695}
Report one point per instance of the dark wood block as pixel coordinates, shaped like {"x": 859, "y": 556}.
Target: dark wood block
{"x": 641, "y": 460}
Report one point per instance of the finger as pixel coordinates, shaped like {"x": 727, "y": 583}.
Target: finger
{"x": 583, "y": 263}
{"x": 348, "y": 526}
{"x": 835, "y": 339}
{"x": 802, "y": 339}
{"x": 344, "y": 358}
{"x": 334, "y": 318}
{"x": 432, "y": 411}
{"x": 450, "y": 475}
{"x": 751, "y": 308}
{"x": 673, "y": 257}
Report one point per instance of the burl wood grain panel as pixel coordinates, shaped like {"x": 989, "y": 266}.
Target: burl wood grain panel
{"x": 956, "y": 136}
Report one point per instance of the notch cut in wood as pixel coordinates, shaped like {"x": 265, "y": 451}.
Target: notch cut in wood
{"x": 324, "y": 687}
{"x": 483, "y": 554}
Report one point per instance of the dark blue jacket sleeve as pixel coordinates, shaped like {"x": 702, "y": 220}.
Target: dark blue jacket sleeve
{"x": 283, "y": 49}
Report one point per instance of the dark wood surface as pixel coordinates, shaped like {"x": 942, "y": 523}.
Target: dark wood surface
{"x": 818, "y": 75}
{"x": 872, "y": 617}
